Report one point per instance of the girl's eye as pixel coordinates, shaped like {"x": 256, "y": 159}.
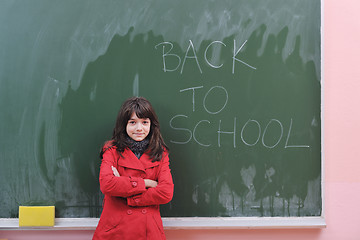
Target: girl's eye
{"x": 132, "y": 122}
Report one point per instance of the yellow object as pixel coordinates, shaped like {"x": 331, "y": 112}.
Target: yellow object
{"x": 36, "y": 216}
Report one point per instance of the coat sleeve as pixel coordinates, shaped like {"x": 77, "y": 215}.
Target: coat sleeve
{"x": 117, "y": 186}
{"x": 162, "y": 193}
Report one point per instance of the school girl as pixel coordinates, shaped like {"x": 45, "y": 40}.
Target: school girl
{"x": 134, "y": 176}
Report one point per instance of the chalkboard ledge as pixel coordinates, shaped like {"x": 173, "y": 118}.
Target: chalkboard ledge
{"x": 184, "y": 223}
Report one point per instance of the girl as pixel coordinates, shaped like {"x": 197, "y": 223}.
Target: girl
{"x": 134, "y": 176}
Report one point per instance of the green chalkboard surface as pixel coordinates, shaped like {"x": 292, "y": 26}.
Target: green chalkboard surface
{"x": 236, "y": 85}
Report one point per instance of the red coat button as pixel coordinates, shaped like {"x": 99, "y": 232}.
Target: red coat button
{"x": 144, "y": 211}
{"x": 134, "y": 184}
{"x": 137, "y": 200}
{"x": 129, "y": 212}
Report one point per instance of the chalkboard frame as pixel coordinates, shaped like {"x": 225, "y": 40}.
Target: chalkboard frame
{"x": 185, "y": 223}
{"x": 211, "y": 222}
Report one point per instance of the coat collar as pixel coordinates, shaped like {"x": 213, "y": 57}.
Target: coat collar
{"x": 129, "y": 160}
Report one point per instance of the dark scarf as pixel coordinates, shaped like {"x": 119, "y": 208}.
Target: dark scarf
{"x": 138, "y": 148}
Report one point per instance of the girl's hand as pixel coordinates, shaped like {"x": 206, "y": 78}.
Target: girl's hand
{"x": 150, "y": 183}
{"x": 115, "y": 171}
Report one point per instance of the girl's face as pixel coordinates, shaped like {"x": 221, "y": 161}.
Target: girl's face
{"x": 138, "y": 128}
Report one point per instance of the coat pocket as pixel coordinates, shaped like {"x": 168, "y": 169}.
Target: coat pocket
{"x": 110, "y": 227}
{"x": 112, "y": 224}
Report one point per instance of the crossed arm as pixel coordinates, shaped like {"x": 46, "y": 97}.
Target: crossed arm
{"x": 137, "y": 191}
{"x": 148, "y": 182}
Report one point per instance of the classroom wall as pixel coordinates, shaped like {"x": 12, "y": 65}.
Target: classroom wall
{"x": 341, "y": 84}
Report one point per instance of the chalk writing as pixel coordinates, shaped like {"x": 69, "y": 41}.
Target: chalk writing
{"x": 191, "y": 134}
{"x": 238, "y": 60}
{"x": 193, "y": 94}
{"x": 206, "y": 96}
{"x": 191, "y": 54}
{"x": 205, "y": 54}
{"x": 225, "y": 102}
{"x": 180, "y": 122}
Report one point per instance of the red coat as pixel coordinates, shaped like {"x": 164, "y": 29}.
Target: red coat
{"x": 130, "y": 211}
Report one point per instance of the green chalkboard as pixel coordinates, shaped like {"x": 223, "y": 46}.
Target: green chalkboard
{"x": 236, "y": 85}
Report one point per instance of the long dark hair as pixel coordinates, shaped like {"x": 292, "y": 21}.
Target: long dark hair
{"x": 142, "y": 109}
